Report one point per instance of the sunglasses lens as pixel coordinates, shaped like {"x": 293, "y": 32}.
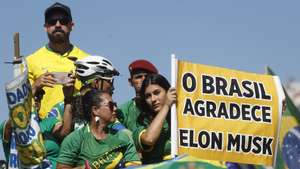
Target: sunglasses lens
{"x": 63, "y": 21}
{"x": 51, "y": 21}
{"x": 112, "y": 105}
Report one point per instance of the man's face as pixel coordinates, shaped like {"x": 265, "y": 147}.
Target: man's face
{"x": 58, "y": 27}
{"x": 102, "y": 84}
{"x": 136, "y": 80}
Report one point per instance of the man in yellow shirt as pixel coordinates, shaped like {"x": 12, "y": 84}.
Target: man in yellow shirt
{"x": 58, "y": 55}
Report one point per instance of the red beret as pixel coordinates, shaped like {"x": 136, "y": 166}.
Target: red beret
{"x": 142, "y": 65}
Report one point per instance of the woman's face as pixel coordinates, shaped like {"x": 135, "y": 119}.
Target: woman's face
{"x": 155, "y": 97}
{"x": 106, "y": 110}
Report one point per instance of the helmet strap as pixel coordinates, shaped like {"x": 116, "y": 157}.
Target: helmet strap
{"x": 101, "y": 84}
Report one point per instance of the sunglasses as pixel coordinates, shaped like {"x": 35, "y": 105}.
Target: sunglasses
{"x": 111, "y": 105}
{"x": 53, "y": 21}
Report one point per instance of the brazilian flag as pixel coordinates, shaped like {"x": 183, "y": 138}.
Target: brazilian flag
{"x": 185, "y": 162}
{"x": 288, "y": 155}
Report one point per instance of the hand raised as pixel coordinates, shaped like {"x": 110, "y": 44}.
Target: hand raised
{"x": 68, "y": 88}
{"x": 171, "y": 97}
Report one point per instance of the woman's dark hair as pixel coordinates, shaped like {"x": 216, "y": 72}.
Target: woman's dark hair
{"x": 151, "y": 79}
{"x": 90, "y": 99}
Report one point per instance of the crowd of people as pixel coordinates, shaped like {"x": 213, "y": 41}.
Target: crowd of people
{"x": 80, "y": 123}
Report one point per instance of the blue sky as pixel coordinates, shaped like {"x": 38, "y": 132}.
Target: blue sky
{"x": 243, "y": 35}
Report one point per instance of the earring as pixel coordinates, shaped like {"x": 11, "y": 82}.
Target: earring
{"x": 97, "y": 119}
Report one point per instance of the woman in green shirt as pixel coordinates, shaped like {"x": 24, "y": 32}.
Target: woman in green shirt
{"x": 95, "y": 144}
{"x": 152, "y": 135}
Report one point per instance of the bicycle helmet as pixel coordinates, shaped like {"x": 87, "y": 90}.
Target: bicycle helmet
{"x": 95, "y": 66}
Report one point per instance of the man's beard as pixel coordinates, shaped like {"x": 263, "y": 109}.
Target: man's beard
{"x": 58, "y": 38}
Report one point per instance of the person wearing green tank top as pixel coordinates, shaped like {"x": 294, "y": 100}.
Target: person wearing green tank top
{"x": 152, "y": 135}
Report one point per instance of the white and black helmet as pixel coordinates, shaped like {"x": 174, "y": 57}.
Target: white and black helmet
{"x": 91, "y": 66}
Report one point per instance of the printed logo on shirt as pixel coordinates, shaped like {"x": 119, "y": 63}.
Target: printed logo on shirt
{"x": 108, "y": 160}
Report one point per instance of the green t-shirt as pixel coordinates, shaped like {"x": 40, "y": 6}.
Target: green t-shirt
{"x": 129, "y": 113}
{"x": 161, "y": 149}
{"x": 5, "y": 143}
{"x": 51, "y": 143}
{"x": 81, "y": 145}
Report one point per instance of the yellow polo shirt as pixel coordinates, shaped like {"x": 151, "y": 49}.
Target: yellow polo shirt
{"x": 44, "y": 60}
